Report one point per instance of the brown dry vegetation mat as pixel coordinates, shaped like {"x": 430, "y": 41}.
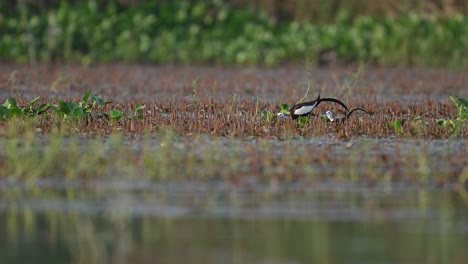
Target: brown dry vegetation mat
{"x": 220, "y": 101}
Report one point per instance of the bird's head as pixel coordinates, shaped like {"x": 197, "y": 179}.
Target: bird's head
{"x": 282, "y": 115}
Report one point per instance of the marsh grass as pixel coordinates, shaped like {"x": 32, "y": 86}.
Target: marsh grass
{"x": 240, "y": 117}
{"x": 220, "y": 133}
{"x": 164, "y": 155}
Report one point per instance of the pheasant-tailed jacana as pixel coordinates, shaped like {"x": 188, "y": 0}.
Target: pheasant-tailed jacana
{"x": 304, "y": 109}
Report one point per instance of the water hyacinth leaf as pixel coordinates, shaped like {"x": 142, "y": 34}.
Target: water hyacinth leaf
{"x": 268, "y": 116}
{"x": 4, "y": 113}
{"x": 116, "y": 114}
{"x": 447, "y": 123}
{"x": 285, "y": 108}
{"x": 460, "y": 102}
{"x": 62, "y": 105}
{"x": 442, "y": 123}
{"x": 398, "y": 125}
{"x": 10, "y": 103}
{"x": 16, "y": 112}
{"x": 66, "y": 108}
{"x": 97, "y": 99}
{"x": 462, "y": 105}
{"x": 303, "y": 120}
{"x": 78, "y": 112}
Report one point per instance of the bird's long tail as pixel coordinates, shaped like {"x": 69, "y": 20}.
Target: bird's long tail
{"x": 355, "y": 109}
{"x": 332, "y": 100}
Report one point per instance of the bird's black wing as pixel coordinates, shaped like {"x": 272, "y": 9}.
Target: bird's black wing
{"x": 297, "y": 106}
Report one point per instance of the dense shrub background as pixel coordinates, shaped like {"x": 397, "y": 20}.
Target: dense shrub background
{"x": 223, "y": 32}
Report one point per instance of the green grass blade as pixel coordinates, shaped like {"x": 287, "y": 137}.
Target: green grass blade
{"x": 139, "y": 108}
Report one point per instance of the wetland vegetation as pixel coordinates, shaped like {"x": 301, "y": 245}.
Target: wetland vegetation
{"x": 106, "y": 188}
{"x": 180, "y": 162}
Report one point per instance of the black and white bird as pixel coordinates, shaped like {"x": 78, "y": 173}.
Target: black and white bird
{"x": 304, "y": 109}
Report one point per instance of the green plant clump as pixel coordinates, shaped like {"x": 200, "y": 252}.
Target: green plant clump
{"x": 67, "y": 110}
{"x": 460, "y": 120}
{"x": 215, "y": 32}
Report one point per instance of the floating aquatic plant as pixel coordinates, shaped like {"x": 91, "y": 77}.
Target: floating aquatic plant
{"x": 462, "y": 115}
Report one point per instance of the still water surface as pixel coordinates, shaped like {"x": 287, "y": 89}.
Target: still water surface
{"x": 123, "y": 221}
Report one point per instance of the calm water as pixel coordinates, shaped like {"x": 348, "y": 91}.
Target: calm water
{"x": 220, "y": 222}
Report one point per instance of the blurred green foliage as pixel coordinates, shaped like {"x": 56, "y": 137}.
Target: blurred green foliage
{"x": 215, "y": 32}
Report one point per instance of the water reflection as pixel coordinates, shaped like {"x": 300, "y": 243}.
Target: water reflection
{"x": 219, "y": 222}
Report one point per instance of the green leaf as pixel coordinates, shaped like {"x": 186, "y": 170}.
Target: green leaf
{"x": 268, "y": 116}
{"x": 447, "y": 123}
{"x": 303, "y": 120}
{"x": 4, "y": 113}
{"x": 116, "y": 114}
{"x": 417, "y": 120}
{"x": 139, "y": 108}
{"x": 42, "y": 108}
{"x": 86, "y": 96}
{"x": 54, "y": 107}
{"x": 460, "y": 102}
{"x": 67, "y": 108}
{"x": 442, "y": 123}
{"x": 10, "y": 103}
{"x": 63, "y": 107}
{"x": 33, "y": 101}
{"x": 452, "y": 123}
{"x": 97, "y": 99}
{"x": 462, "y": 105}
{"x": 398, "y": 125}
{"x": 16, "y": 112}
{"x": 285, "y": 108}
{"x": 78, "y": 112}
